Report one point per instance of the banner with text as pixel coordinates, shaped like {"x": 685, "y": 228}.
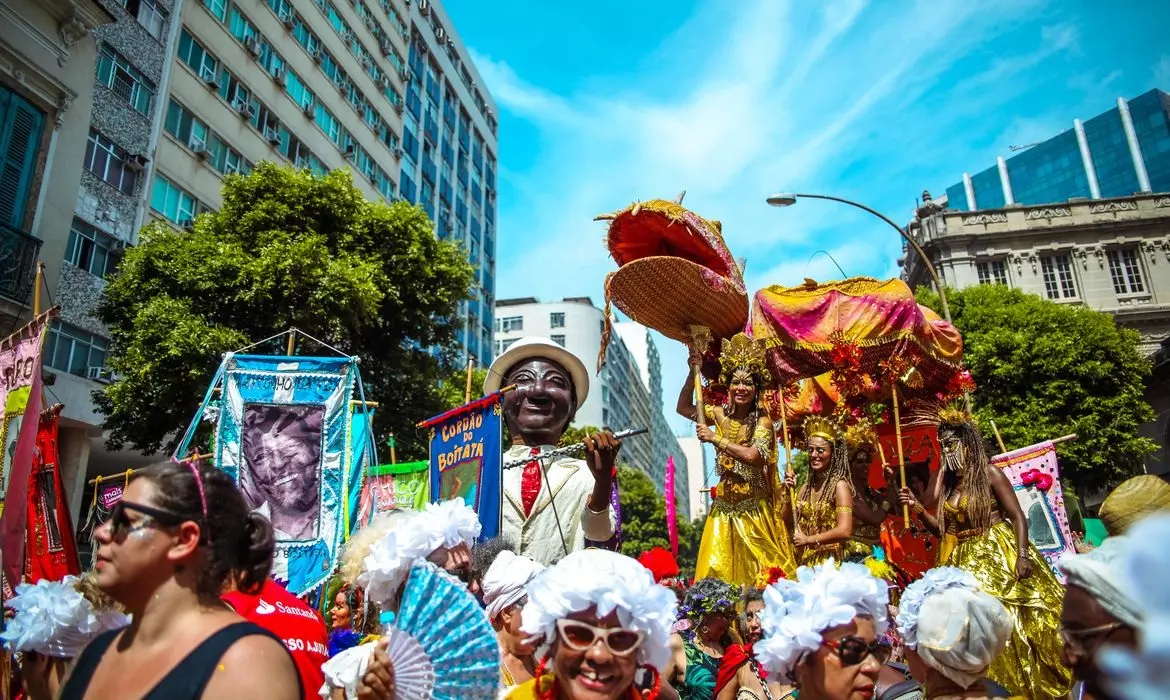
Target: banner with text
{"x": 467, "y": 460}
{"x": 394, "y": 487}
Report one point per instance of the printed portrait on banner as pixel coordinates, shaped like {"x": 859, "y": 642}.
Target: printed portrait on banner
{"x": 282, "y": 446}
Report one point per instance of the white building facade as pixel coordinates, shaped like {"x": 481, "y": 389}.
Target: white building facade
{"x": 697, "y": 474}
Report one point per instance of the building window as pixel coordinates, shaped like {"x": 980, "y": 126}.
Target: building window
{"x": 20, "y": 130}
{"x": 149, "y": 15}
{"x": 1058, "y": 276}
{"x": 111, "y": 163}
{"x": 992, "y": 272}
{"x": 558, "y": 339}
{"x": 511, "y": 323}
{"x": 502, "y": 345}
{"x": 218, "y": 8}
{"x": 1125, "y": 267}
{"x": 73, "y": 350}
{"x": 91, "y": 249}
{"x": 556, "y": 320}
{"x": 126, "y": 81}
{"x": 172, "y": 202}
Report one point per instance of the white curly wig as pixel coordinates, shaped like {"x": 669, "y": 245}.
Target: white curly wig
{"x": 796, "y": 613}
{"x": 610, "y": 582}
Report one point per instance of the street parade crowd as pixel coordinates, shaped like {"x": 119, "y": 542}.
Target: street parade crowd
{"x": 802, "y": 587}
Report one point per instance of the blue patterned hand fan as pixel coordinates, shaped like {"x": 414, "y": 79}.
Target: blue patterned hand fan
{"x": 442, "y": 646}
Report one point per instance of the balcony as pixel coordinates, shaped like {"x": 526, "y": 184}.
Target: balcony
{"x": 18, "y": 251}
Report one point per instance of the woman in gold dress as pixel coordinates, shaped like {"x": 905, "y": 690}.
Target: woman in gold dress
{"x": 870, "y": 507}
{"x": 744, "y": 534}
{"x": 823, "y": 520}
{"x": 984, "y": 531}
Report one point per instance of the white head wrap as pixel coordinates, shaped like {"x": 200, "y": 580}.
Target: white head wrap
{"x": 825, "y": 596}
{"x": 505, "y": 581}
{"x": 445, "y": 524}
{"x": 1145, "y": 674}
{"x": 611, "y": 582}
{"x": 1101, "y": 574}
{"x": 956, "y": 628}
{"x": 53, "y": 618}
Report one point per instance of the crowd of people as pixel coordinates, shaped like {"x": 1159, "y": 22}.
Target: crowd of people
{"x": 791, "y": 595}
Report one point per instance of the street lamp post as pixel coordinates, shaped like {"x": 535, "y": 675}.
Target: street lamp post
{"x": 787, "y": 200}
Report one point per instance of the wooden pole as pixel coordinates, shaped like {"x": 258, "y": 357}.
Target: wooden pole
{"x": 901, "y": 457}
{"x": 393, "y": 454}
{"x": 998, "y": 437}
{"x": 787, "y": 449}
{"x": 467, "y": 391}
{"x": 700, "y": 340}
{"x": 38, "y": 282}
{"x": 292, "y": 342}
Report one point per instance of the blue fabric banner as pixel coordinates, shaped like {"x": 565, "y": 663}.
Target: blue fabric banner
{"x": 467, "y": 462}
{"x": 285, "y": 433}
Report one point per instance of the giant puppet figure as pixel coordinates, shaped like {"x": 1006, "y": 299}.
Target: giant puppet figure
{"x": 551, "y": 505}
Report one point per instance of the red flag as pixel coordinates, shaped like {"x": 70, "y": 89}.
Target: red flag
{"x": 51, "y": 552}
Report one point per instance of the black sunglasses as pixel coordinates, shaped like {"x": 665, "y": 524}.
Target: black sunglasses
{"x": 121, "y": 526}
{"x": 854, "y": 650}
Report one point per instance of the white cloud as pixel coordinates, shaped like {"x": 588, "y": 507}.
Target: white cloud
{"x": 790, "y": 95}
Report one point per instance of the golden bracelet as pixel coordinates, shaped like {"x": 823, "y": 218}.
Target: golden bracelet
{"x": 844, "y": 509}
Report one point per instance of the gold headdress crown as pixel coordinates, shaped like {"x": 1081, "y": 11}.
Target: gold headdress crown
{"x": 819, "y": 426}
{"x": 953, "y": 416}
{"x": 860, "y": 434}
{"x": 742, "y": 354}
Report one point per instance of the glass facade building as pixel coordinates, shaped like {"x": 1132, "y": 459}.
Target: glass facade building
{"x": 1117, "y": 153}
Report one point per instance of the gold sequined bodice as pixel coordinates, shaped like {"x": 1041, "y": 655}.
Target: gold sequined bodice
{"x": 742, "y": 487}
{"x": 863, "y": 530}
{"x": 813, "y": 518}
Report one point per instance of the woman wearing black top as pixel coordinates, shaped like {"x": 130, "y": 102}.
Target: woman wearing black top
{"x": 164, "y": 554}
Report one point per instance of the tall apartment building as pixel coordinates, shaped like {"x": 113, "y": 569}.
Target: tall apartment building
{"x": 665, "y": 445}
{"x": 168, "y": 97}
{"x": 1082, "y": 218}
{"x": 449, "y": 162}
{"x": 618, "y": 397}
{"x": 699, "y": 475}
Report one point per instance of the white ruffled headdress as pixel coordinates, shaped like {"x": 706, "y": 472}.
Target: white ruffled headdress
{"x": 53, "y": 618}
{"x": 445, "y": 524}
{"x": 611, "y": 582}
{"x": 955, "y": 627}
{"x": 797, "y": 612}
{"x": 1144, "y": 674}
{"x": 506, "y": 581}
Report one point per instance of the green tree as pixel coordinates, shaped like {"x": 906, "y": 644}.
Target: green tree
{"x": 644, "y": 521}
{"x": 452, "y": 390}
{"x": 1044, "y": 369}
{"x": 287, "y": 249}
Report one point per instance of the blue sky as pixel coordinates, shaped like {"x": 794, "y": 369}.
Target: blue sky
{"x": 605, "y": 103}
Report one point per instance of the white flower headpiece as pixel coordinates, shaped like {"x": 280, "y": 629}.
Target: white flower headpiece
{"x": 445, "y": 524}
{"x": 53, "y": 618}
{"x": 610, "y": 582}
{"x": 932, "y": 582}
{"x": 825, "y": 596}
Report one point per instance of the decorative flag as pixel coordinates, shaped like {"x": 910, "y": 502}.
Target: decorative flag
{"x": 20, "y": 397}
{"x": 51, "y": 552}
{"x": 1035, "y": 476}
{"x": 613, "y": 544}
{"x": 361, "y": 456}
{"x": 671, "y": 507}
{"x": 394, "y": 487}
{"x": 283, "y": 433}
{"x": 467, "y": 459}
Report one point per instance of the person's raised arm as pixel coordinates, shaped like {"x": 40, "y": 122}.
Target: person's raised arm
{"x": 1002, "y": 489}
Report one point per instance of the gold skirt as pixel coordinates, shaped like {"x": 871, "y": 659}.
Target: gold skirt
{"x": 1030, "y": 664}
{"x": 841, "y": 551}
{"x": 737, "y": 547}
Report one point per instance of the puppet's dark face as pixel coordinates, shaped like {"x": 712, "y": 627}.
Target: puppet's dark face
{"x": 541, "y": 406}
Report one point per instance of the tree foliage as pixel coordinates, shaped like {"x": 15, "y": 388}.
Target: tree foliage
{"x": 1044, "y": 369}
{"x": 644, "y": 521}
{"x": 287, "y": 249}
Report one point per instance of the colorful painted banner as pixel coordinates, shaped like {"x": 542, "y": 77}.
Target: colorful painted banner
{"x": 51, "y": 552}
{"x": 394, "y": 487}
{"x": 20, "y": 397}
{"x": 283, "y": 432}
{"x": 467, "y": 460}
{"x": 1035, "y": 476}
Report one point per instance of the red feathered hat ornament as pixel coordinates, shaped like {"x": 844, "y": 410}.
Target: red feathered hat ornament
{"x": 660, "y": 562}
